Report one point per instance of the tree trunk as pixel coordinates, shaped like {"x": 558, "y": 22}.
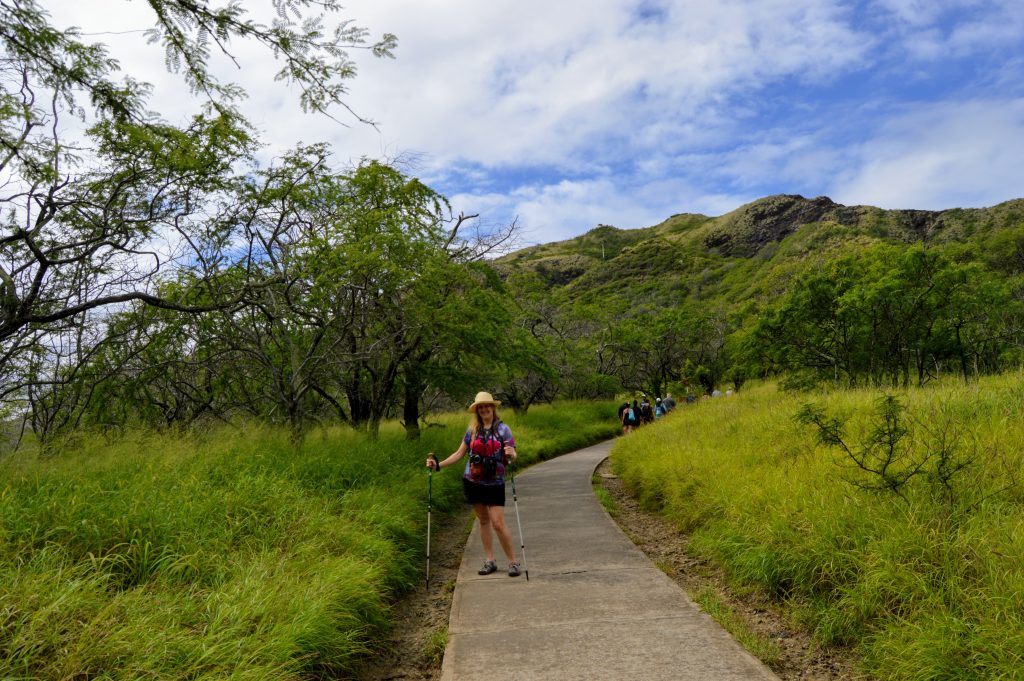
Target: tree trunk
{"x": 963, "y": 355}
{"x": 411, "y": 408}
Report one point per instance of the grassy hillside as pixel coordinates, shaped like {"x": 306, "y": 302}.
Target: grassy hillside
{"x": 926, "y": 583}
{"x": 750, "y": 252}
{"x": 230, "y": 555}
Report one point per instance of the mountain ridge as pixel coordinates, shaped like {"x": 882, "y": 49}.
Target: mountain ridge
{"x": 759, "y": 239}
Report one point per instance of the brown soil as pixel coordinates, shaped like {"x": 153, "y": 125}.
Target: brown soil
{"x": 422, "y": 614}
{"x": 419, "y": 616}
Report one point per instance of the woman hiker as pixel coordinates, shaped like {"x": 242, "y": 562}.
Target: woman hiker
{"x": 491, "y": 446}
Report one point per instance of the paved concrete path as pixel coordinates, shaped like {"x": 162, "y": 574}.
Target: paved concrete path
{"x": 595, "y": 607}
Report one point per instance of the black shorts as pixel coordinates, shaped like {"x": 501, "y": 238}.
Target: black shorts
{"x": 488, "y": 495}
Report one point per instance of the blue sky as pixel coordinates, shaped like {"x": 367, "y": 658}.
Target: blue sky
{"x": 570, "y": 114}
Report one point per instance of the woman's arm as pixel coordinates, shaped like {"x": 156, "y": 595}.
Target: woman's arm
{"x": 452, "y": 458}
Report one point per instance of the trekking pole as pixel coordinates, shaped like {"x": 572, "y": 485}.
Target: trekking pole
{"x": 430, "y": 502}
{"x": 522, "y": 544}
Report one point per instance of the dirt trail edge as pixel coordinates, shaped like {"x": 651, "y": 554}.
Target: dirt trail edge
{"x": 594, "y": 608}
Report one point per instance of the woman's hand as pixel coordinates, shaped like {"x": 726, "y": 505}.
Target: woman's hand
{"x": 433, "y": 463}
{"x": 510, "y": 453}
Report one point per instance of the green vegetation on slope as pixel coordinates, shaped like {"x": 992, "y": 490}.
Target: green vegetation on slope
{"x": 925, "y": 584}
{"x": 751, "y": 251}
{"x": 823, "y": 293}
{"x": 235, "y": 554}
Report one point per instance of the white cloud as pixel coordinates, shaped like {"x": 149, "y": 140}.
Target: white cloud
{"x": 935, "y": 29}
{"x": 563, "y": 209}
{"x": 1002, "y": 25}
{"x": 633, "y": 110}
{"x": 916, "y": 13}
{"x": 560, "y": 210}
{"x": 941, "y": 156}
{"x": 756, "y": 163}
{"x": 523, "y": 82}
{"x": 540, "y": 82}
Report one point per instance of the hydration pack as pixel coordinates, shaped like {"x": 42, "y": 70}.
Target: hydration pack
{"x": 485, "y": 463}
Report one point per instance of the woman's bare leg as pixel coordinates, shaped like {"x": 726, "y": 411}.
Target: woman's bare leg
{"x": 484, "y": 518}
{"x": 497, "y": 514}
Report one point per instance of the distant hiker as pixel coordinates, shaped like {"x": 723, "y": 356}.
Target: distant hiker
{"x": 646, "y": 411}
{"x": 491, "y": 447}
{"x": 659, "y": 408}
{"x": 629, "y": 417}
{"x": 669, "y": 402}
{"x": 623, "y": 407}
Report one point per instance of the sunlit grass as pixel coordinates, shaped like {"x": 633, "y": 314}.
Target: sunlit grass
{"x": 232, "y": 553}
{"x": 927, "y": 587}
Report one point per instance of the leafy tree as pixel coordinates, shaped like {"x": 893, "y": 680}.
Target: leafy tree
{"x": 72, "y": 213}
{"x": 804, "y": 331}
{"x": 535, "y": 345}
{"x": 370, "y": 281}
{"x": 647, "y": 353}
{"x": 369, "y": 293}
{"x": 889, "y": 315}
{"x": 1003, "y": 251}
{"x": 580, "y": 372}
{"x": 152, "y": 367}
{"x": 99, "y": 220}
{"x": 462, "y": 337}
{"x": 403, "y": 272}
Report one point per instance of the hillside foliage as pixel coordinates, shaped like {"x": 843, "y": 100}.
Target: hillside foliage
{"x": 785, "y": 286}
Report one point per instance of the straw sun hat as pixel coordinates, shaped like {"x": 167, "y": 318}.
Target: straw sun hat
{"x": 483, "y": 398}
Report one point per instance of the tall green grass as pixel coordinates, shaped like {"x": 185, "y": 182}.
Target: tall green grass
{"x": 232, "y": 554}
{"x": 926, "y": 587}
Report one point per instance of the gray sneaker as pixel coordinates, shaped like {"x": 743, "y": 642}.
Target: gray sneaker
{"x": 513, "y": 569}
{"x": 489, "y": 567}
